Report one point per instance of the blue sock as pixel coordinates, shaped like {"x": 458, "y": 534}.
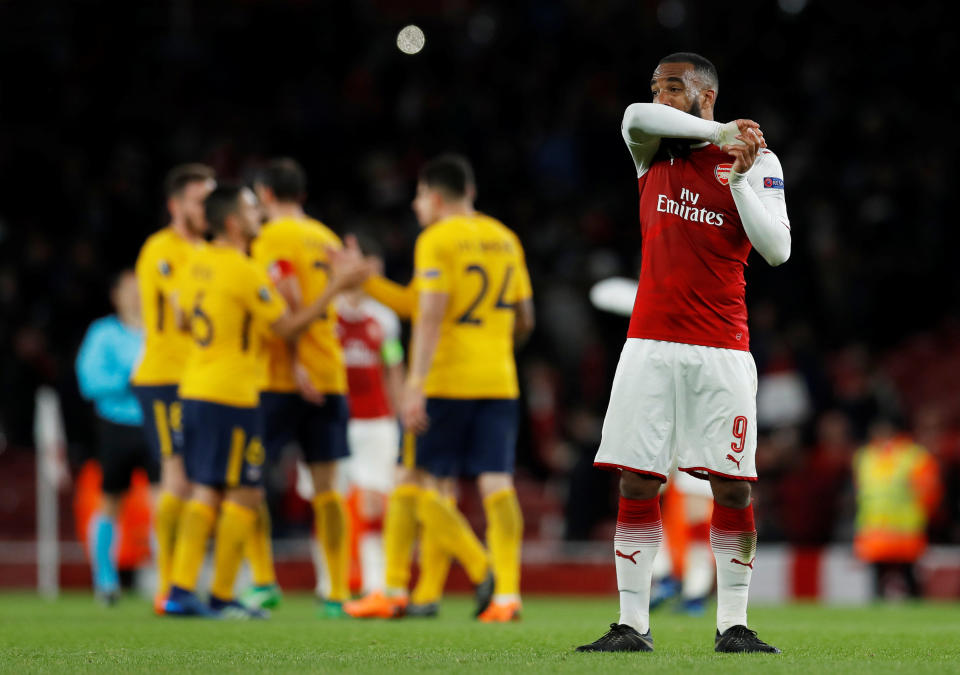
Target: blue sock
{"x": 105, "y": 577}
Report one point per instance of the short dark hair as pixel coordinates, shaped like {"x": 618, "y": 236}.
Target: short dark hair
{"x": 451, "y": 174}
{"x": 702, "y": 66}
{"x": 183, "y": 174}
{"x": 286, "y": 178}
{"x": 222, "y": 202}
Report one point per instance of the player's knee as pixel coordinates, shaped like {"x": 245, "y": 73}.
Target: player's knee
{"x": 174, "y": 477}
{"x": 637, "y": 486}
{"x": 207, "y": 495}
{"x": 490, "y": 483}
{"x": 324, "y": 476}
{"x": 249, "y": 497}
{"x": 447, "y": 487}
{"x": 734, "y": 494}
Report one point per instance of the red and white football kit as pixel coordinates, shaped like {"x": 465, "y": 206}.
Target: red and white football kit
{"x": 373, "y": 432}
{"x": 684, "y": 394}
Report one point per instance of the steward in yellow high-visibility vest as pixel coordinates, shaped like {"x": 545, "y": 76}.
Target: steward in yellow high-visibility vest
{"x": 898, "y": 488}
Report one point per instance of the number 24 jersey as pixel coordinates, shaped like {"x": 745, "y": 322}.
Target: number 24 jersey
{"x": 231, "y": 303}
{"x": 479, "y": 263}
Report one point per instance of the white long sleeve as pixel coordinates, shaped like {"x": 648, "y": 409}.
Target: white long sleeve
{"x": 644, "y": 124}
{"x": 762, "y": 206}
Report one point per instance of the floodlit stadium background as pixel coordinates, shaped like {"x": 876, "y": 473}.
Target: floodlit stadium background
{"x": 98, "y": 100}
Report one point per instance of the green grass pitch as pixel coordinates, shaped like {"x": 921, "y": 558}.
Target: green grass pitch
{"x": 74, "y": 634}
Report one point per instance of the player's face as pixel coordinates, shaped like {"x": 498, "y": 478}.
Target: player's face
{"x": 264, "y": 194}
{"x": 426, "y": 204}
{"x": 675, "y": 85}
{"x": 126, "y": 296}
{"x": 248, "y": 214}
{"x": 189, "y": 205}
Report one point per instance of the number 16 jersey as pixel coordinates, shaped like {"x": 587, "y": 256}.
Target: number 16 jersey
{"x": 231, "y": 304}
{"x": 479, "y": 263}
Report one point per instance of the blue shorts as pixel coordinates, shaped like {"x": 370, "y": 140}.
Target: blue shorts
{"x": 320, "y": 430}
{"x": 467, "y": 437}
{"x": 222, "y": 444}
{"x": 162, "y": 419}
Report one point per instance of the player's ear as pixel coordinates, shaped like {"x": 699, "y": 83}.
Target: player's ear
{"x": 708, "y": 97}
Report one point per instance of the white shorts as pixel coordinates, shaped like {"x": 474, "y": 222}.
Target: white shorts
{"x": 684, "y": 406}
{"x": 374, "y": 448}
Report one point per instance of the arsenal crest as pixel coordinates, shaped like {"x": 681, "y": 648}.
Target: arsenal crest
{"x": 722, "y": 172}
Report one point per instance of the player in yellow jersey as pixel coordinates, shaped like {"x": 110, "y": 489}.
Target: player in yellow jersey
{"x": 305, "y": 397}
{"x": 231, "y": 302}
{"x": 473, "y": 300}
{"x": 160, "y": 265}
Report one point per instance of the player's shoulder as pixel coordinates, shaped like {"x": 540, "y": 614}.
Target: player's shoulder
{"x": 156, "y": 243}
{"x": 162, "y": 252}
{"x": 320, "y": 230}
{"x": 236, "y": 269}
{"x": 766, "y": 172}
{"x": 496, "y": 228}
{"x": 280, "y": 230}
{"x": 439, "y": 231}
{"x": 767, "y": 157}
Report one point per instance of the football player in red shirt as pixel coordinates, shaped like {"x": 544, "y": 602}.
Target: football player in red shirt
{"x": 370, "y": 335}
{"x": 684, "y": 394}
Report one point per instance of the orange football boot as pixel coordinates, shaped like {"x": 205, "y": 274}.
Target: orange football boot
{"x": 159, "y": 604}
{"x": 501, "y": 612}
{"x": 377, "y": 605}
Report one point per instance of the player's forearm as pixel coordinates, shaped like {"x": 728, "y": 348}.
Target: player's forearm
{"x": 642, "y": 121}
{"x": 401, "y": 299}
{"x": 426, "y": 335}
{"x": 524, "y": 322}
{"x": 290, "y": 325}
{"x": 764, "y": 221}
{"x": 393, "y": 378}
{"x": 431, "y": 308}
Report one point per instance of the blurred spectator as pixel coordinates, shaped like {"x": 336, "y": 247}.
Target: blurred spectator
{"x": 812, "y": 491}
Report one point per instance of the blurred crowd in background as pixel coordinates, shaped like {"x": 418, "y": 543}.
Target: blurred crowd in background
{"x": 860, "y": 324}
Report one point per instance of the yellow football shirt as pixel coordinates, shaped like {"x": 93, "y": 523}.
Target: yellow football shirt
{"x": 480, "y": 264}
{"x": 231, "y": 302}
{"x": 159, "y": 269}
{"x": 298, "y": 246}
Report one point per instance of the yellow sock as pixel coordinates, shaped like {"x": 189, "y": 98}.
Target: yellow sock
{"x": 234, "y": 530}
{"x": 259, "y": 550}
{"x": 504, "y": 538}
{"x": 196, "y": 524}
{"x": 330, "y": 523}
{"x": 453, "y": 533}
{"x": 434, "y": 567}
{"x": 165, "y": 521}
{"x": 399, "y": 533}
